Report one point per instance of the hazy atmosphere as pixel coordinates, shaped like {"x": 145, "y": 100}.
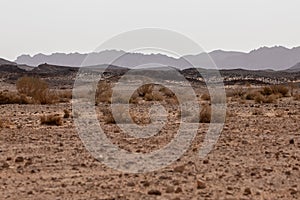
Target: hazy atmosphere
{"x": 33, "y": 26}
{"x": 132, "y": 99}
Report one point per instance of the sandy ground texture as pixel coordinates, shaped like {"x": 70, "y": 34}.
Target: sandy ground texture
{"x": 256, "y": 157}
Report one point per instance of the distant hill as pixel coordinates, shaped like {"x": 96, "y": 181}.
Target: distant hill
{"x": 275, "y": 58}
{"x": 295, "y": 68}
{"x": 6, "y": 62}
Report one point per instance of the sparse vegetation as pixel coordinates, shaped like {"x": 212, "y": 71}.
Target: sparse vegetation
{"x": 66, "y": 113}
{"x": 259, "y": 98}
{"x": 103, "y": 92}
{"x": 205, "y": 114}
{"x": 7, "y": 97}
{"x": 51, "y": 120}
{"x": 296, "y": 97}
{"x": 275, "y": 89}
{"x": 205, "y": 97}
{"x": 145, "y": 89}
{"x": 37, "y": 89}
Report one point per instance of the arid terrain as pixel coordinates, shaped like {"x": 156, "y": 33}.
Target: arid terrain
{"x": 256, "y": 157}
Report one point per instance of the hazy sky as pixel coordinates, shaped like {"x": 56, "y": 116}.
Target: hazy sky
{"x": 47, "y": 26}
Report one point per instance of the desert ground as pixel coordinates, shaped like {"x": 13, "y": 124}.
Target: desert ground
{"x": 256, "y": 157}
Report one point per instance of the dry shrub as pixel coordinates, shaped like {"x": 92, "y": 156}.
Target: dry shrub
{"x": 51, "y": 120}
{"x": 166, "y": 92}
{"x": 266, "y": 90}
{"x": 66, "y": 114}
{"x": 64, "y": 96}
{"x": 275, "y": 89}
{"x": 103, "y": 92}
{"x": 5, "y": 123}
{"x": 205, "y": 97}
{"x": 205, "y": 114}
{"x": 235, "y": 92}
{"x": 7, "y": 97}
{"x": 134, "y": 98}
{"x": 296, "y": 97}
{"x": 145, "y": 89}
{"x": 280, "y": 89}
{"x": 257, "y": 112}
{"x": 251, "y": 95}
{"x": 259, "y": 98}
{"x": 157, "y": 96}
{"x": 120, "y": 116}
{"x": 270, "y": 99}
{"x": 37, "y": 89}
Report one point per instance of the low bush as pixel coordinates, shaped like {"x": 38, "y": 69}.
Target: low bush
{"x": 67, "y": 114}
{"x": 259, "y": 98}
{"x": 205, "y": 97}
{"x": 275, "y": 89}
{"x": 7, "y": 97}
{"x": 51, "y": 120}
{"x": 103, "y": 92}
{"x": 280, "y": 89}
{"x": 145, "y": 89}
{"x": 296, "y": 97}
{"x": 205, "y": 114}
{"x": 37, "y": 89}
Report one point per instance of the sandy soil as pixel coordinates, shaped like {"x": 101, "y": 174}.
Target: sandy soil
{"x": 256, "y": 157}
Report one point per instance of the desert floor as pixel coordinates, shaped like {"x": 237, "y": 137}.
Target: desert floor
{"x": 256, "y": 157}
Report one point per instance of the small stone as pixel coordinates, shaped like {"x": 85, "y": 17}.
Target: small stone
{"x": 146, "y": 184}
{"x": 268, "y": 169}
{"x": 293, "y": 191}
{"x": 205, "y": 161}
{"x": 170, "y": 189}
{"x": 247, "y": 191}
{"x": 5, "y": 165}
{"x": 154, "y": 192}
{"x": 179, "y": 169}
{"x": 201, "y": 184}
{"x": 19, "y": 159}
{"x": 292, "y": 141}
{"x": 130, "y": 184}
{"x": 178, "y": 190}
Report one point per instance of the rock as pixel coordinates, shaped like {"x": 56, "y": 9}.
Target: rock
{"x": 146, "y": 184}
{"x": 205, "y": 161}
{"x": 154, "y": 192}
{"x": 268, "y": 169}
{"x": 292, "y": 141}
{"x": 19, "y": 159}
{"x": 170, "y": 189}
{"x": 247, "y": 191}
{"x": 293, "y": 191}
{"x": 131, "y": 184}
{"x": 178, "y": 190}
{"x": 201, "y": 184}
{"x": 4, "y": 165}
{"x": 179, "y": 169}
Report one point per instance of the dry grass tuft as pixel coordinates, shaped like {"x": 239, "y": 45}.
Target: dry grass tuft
{"x": 205, "y": 114}
{"x": 4, "y": 123}
{"x": 37, "y": 89}
{"x": 51, "y": 120}
{"x": 7, "y": 97}
{"x": 205, "y": 97}
{"x": 275, "y": 89}
{"x": 67, "y": 114}
{"x": 104, "y": 92}
{"x": 296, "y": 97}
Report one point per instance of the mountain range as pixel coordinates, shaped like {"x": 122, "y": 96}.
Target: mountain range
{"x": 274, "y": 58}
